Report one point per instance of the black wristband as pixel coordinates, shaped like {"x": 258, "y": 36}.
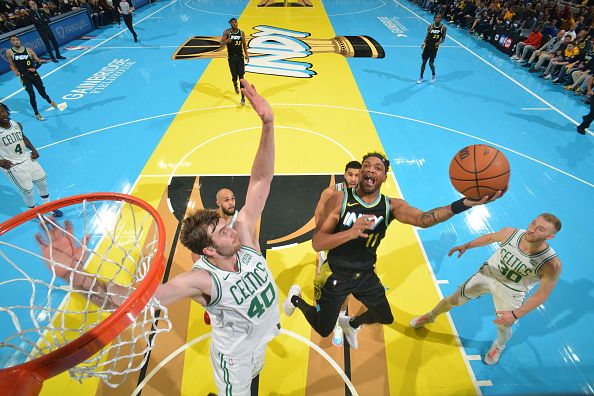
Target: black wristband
{"x": 458, "y": 206}
{"x": 513, "y": 313}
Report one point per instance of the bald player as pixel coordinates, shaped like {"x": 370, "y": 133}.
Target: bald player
{"x": 226, "y": 206}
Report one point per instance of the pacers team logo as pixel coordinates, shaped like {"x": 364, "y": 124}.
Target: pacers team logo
{"x": 274, "y": 50}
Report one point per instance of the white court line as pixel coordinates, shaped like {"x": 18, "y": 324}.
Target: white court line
{"x": 144, "y": 47}
{"x": 284, "y": 246}
{"x": 265, "y": 9}
{"x": 485, "y": 383}
{"x": 537, "y": 108}
{"x": 334, "y": 107}
{"x": 474, "y": 357}
{"x": 498, "y": 70}
{"x": 443, "y": 282}
{"x": 289, "y": 333}
{"x": 183, "y": 159}
{"x": 417, "y": 46}
{"x": 89, "y": 50}
{"x": 440, "y": 294}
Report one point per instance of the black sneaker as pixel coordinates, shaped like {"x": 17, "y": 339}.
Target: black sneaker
{"x": 236, "y": 89}
{"x": 60, "y": 57}
{"x": 526, "y": 65}
{"x": 58, "y": 213}
{"x": 532, "y": 70}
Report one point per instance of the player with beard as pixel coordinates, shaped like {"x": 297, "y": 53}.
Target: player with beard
{"x": 524, "y": 258}
{"x": 226, "y": 206}
{"x": 351, "y": 227}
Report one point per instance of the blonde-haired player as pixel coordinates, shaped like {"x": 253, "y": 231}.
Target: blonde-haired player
{"x": 18, "y": 164}
{"x": 523, "y": 259}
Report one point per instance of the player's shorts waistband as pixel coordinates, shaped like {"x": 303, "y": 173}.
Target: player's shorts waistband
{"x": 351, "y": 272}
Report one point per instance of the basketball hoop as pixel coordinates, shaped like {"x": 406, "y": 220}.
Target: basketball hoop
{"x": 64, "y": 327}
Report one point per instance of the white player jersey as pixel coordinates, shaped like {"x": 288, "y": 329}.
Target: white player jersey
{"x": 233, "y": 218}
{"x": 12, "y": 145}
{"x": 243, "y": 309}
{"x": 514, "y": 268}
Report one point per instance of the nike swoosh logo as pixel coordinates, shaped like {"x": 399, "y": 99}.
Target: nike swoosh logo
{"x": 352, "y": 204}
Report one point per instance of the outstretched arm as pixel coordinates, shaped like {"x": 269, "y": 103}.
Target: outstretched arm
{"x": 499, "y": 236}
{"x": 407, "y": 214}
{"x": 549, "y": 275}
{"x": 262, "y": 168}
{"x": 66, "y": 258}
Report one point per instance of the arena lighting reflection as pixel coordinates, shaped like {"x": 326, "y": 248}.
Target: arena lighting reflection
{"x": 477, "y": 219}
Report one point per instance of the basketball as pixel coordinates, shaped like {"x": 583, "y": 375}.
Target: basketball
{"x": 479, "y": 170}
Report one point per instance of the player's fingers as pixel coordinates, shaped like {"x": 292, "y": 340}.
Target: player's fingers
{"x": 69, "y": 227}
{"x": 40, "y": 240}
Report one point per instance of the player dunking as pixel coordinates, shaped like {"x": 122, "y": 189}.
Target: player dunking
{"x": 523, "y": 259}
{"x": 20, "y": 165}
{"x": 236, "y": 48}
{"x": 231, "y": 279}
{"x": 351, "y": 179}
{"x": 24, "y": 62}
{"x": 351, "y": 227}
{"x": 436, "y": 34}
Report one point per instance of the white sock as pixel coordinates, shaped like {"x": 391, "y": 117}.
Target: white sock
{"x": 503, "y": 335}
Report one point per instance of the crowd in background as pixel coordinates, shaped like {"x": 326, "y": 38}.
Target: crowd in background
{"x": 16, "y": 14}
{"x": 556, "y": 38}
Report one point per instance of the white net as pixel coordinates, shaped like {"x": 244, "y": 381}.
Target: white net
{"x": 74, "y": 276}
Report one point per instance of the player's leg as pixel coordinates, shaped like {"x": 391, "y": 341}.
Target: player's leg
{"x": 36, "y": 81}
{"x": 322, "y": 273}
{"x": 504, "y": 299}
{"x": 323, "y": 316}
{"x": 28, "y": 85}
{"x": 40, "y": 180}
{"x": 425, "y": 58}
{"x": 474, "y": 287}
{"x": 232, "y": 375}
{"x": 21, "y": 177}
{"x": 234, "y": 73}
{"x": 432, "y": 65}
{"x": 337, "y": 335}
{"x": 370, "y": 291}
{"x": 240, "y": 74}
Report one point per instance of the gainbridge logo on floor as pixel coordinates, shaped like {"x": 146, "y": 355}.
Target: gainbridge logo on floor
{"x": 272, "y": 50}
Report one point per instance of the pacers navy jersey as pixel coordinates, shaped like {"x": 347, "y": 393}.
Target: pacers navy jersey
{"x": 435, "y": 34}
{"x": 360, "y": 254}
{"x": 235, "y": 46}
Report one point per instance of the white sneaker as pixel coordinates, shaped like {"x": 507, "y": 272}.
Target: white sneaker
{"x": 337, "y": 337}
{"x": 421, "y": 321}
{"x": 433, "y": 79}
{"x": 493, "y": 355}
{"x": 515, "y": 57}
{"x": 420, "y": 80}
{"x": 548, "y": 77}
{"x": 349, "y": 332}
{"x": 288, "y": 306}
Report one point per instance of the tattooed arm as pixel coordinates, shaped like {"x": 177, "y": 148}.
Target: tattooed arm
{"x": 407, "y": 214}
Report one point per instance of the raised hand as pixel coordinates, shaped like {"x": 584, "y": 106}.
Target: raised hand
{"x": 64, "y": 250}
{"x": 486, "y": 199}
{"x": 259, "y": 104}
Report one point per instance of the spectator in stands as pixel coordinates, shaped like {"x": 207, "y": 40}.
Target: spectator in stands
{"x": 570, "y": 55}
{"x": 549, "y": 28}
{"x": 92, "y": 14}
{"x": 567, "y": 21}
{"x": 527, "y": 47}
{"x": 548, "y": 51}
{"x": 63, "y": 6}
